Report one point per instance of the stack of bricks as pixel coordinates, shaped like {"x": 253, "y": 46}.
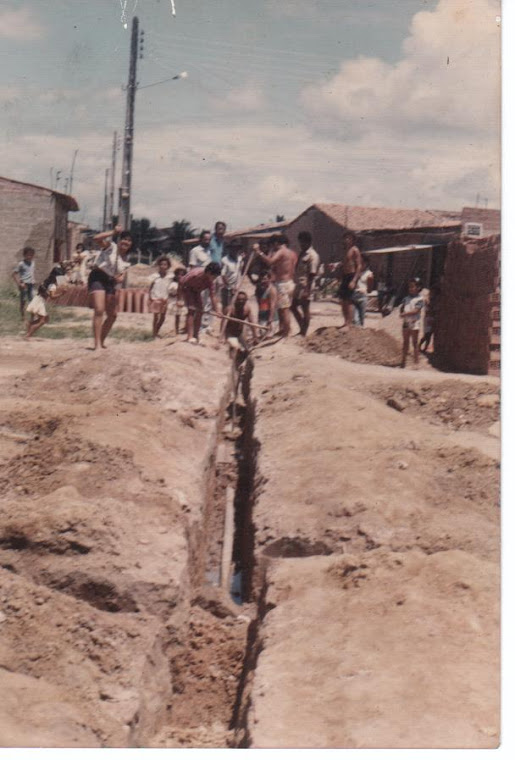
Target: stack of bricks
{"x": 132, "y": 300}
{"x": 494, "y": 366}
{"x": 467, "y": 325}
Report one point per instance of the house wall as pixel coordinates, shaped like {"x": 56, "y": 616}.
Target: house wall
{"x": 327, "y": 234}
{"x": 27, "y": 217}
{"x": 467, "y": 326}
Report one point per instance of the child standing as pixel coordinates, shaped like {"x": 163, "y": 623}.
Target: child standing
{"x": 411, "y": 312}
{"x": 158, "y": 294}
{"x": 178, "y": 302}
{"x": 37, "y": 312}
{"x": 429, "y": 320}
{"x": 23, "y": 276}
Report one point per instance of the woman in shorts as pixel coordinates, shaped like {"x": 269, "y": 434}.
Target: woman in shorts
{"x": 105, "y": 281}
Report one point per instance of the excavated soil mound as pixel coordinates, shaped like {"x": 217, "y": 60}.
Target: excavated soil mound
{"x": 454, "y": 404}
{"x": 357, "y": 345}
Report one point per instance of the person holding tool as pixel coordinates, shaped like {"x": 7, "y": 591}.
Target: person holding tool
{"x": 191, "y": 288}
{"x": 106, "y": 280}
{"x": 282, "y": 262}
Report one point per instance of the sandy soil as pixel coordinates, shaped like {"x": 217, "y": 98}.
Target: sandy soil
{"x": 380, "y": 535}
{"x": 103, "y": 508}
{"x": 367, "y": 522}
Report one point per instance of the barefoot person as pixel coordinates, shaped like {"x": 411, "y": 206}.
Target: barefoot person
{"x": 37, "y": 312}
{"x": 158, "y": 294}
{"x": 23, "y": 276}
{"x": 178, "y": 307}
{"x": 282, "y": 262}
{"x": 106, "y": 279}
{"x": 411, "y": 312}
{"x": 307, "y": 268}
{"x": 351, "y": 269}
{"x": 191, "y": 288}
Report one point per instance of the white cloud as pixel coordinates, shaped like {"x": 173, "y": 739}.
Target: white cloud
{"x": 250, "y": 97}
{"x": 248, "y": 174}
{"x": 448, "y": 79}
{"x": 20, "y": 25}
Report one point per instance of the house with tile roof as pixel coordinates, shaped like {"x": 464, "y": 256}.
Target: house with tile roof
{"x": 401, "y": 242}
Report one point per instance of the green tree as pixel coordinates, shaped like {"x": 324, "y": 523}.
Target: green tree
{"x": 179, "y": 232}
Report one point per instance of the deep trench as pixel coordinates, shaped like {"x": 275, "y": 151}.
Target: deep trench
{"x": 198, "y": 649}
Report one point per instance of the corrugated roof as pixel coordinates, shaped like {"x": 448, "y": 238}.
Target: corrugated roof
{"x": 363, "y": 218}
{"x": 259, "y": 229}
{"x": 402, "y": 249}
{"x": 70, "y": 202}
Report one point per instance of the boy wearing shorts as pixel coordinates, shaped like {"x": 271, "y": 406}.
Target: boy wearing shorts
{"x": 158, "y": 294}
{"x": 23, "y": 276}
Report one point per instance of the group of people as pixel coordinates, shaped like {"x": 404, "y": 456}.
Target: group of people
{"x": 212, "y": 286}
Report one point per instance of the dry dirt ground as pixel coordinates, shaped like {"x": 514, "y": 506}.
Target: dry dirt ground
{"x": 366, "y": 528}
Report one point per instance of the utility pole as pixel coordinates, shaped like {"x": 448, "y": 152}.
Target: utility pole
{"x": 104, "y": 223}
{"x": 110, "y": 208}
{"x": 124, "y": 216}
{"x": 72, "y": 170}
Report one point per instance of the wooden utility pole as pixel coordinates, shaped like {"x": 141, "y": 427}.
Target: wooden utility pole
{"x": 105, "y": 220}
{"x": 124, "y": 212}
{"x": 110, "y": 207}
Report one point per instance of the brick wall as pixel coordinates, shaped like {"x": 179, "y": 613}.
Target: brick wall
{"x": 468, "y": 307}
{"x": 27, "y": 218}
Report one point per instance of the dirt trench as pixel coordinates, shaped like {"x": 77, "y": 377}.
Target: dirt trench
{"x": 111, "y": 608}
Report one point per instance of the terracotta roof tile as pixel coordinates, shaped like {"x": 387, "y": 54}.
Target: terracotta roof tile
{"x": 361, "y": 218}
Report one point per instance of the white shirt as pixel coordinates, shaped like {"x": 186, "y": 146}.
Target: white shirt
{"x": 362, "y": 283}
{"x": 111, "y": 262}
{"x": 308, "y": 263}
{"x": 199, "y": 257}
{"x": 230, "y": 271}
{"x": 160, "y": 286}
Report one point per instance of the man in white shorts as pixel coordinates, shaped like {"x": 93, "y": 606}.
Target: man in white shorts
{"x": 282, "y": 262}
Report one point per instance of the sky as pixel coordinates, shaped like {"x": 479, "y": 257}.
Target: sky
{"x": 287, "y": 103}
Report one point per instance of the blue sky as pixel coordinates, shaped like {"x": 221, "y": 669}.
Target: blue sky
{"x": 287, "y": 102}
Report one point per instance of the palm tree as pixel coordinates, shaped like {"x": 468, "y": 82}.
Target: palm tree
{"x": 179, "y": 232}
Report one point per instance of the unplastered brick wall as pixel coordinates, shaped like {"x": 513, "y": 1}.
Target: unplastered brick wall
{"x": 28, "y": 219}
{"x": 467, "y": 307}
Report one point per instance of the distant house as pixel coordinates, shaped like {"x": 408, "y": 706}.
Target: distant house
{"x": 401, "y": 242}
{"x": 247, "y": 235}
{"x": 35, "y": 216}
{"x": 77, "y": 233}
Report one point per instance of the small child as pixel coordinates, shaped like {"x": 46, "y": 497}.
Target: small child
{"x": 411, "y": 312}
{"x": 23, "y": 275}
{"x": 266, "y": 296}
{"x": 179, "y": 308}
{"x": 429, "y": 320}
{"x": 158, "y": 294}
{"x": 37, "y": 312}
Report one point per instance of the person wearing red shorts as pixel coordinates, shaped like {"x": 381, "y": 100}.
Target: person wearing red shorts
{"x": 191, "y": 287}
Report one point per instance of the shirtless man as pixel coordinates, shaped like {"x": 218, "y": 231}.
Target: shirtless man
{"x": 351, "y": 271}
{"x": 282, "y": 262}
{"x": 307, "y": 269}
